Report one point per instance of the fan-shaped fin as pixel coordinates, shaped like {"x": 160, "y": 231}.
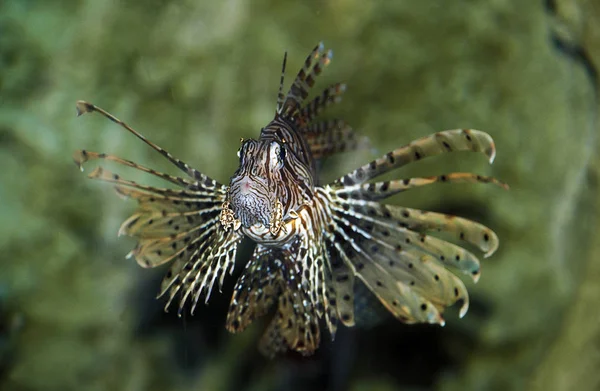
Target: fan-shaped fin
{"x": 208, "y": 263}
{"x": 397, "y": 218}
{"x": 256, "y": 289}
{"x": 378, "y": 232}
{"x": 403, "y": 302}
{"x": 272, "y": 341}
{"x": 180, "y": 225}
{"x": 343, "y": 280}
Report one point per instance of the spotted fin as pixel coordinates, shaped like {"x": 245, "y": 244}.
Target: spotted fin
{"x": 412, "y": 266}
{"x": 397, "y": 236}
{"x": 435, "y": 144}
{"x": 381, "y": 190}
{"x": 272, "y": 342}
{"x": 256, "y": 290}
{"x": 314, "y": 64}
{"x": 392, "y": 250}
{"x": 342, "y": 280}
{"x": 298, "y": 321}
{"x": 403, "y": 302}
{"x": 295, "y": 324}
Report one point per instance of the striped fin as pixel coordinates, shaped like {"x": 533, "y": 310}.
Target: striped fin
{"x": 295, "y": 324}
{"x": 403, "y": 238}
{"x": 328, "y": 97}
{"x": 155, "y": 250}
{"x": 381, "y": 190}
{"x": 256, "y": 290}
{"x": 329, "y": 295}
{"x": 342, "y": 280}
{"x": 280, "y": 96}
{"x": 324, "y": 296}
{"x": 86, "y": 107}
{"x": 435, "y": 144}
{"x": 80, "y": 157}
{"x": 179, "y": 225}
{"x": 304, "y": 81}
{"x": 334, "y": 136}
{"x": 273, "y": 277}
{"x": 402, "y": 301}
{"x": 298, "y": 92}
{"x": 166, "y": 220}
{"x": 186, "y": 263}
{"x": 387, "y": 247}
{"x": 312, "y": 260}
{"x": 324, "y": 60}
{"x": 181, "y": 195}
{"x": 195, "y": 277}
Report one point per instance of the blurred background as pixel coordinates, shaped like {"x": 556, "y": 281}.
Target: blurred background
{"x": 196, "y": 75}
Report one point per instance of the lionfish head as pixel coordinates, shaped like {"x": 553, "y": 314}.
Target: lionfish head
{"x": 260, "y": 182}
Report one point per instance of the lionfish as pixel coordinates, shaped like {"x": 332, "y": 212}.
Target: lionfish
{"x": 313, "y": 241}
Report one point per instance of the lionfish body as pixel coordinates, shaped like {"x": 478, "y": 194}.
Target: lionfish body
{"x": 313, "y": 241}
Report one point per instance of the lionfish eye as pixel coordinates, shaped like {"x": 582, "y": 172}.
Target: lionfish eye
{"x": 243, "y": 150}
{"x": 282, "y": 152}
{"x": 277, "y": 154}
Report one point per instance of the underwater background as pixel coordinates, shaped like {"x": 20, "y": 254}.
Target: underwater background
{"x": 195, "y": 77}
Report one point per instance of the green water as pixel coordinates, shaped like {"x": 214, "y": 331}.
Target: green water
{"x": 195, "y": 76}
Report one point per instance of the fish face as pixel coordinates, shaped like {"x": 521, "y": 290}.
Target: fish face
{"x": 259, "y": 182}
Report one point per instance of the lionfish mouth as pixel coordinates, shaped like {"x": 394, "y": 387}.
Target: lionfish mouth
{"x": 250, "y": 210}
{"x": 249, "y": 204}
